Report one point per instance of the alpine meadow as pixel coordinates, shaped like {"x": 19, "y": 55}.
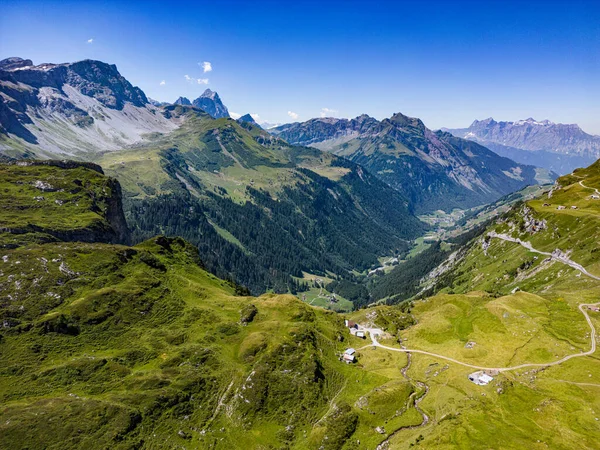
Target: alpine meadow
{"x": 356, "y": 259}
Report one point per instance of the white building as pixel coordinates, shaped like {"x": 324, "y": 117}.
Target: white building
{"x": 480, "y": 378}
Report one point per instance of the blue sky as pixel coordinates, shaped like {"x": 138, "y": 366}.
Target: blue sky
{"x": 445, "y": 62}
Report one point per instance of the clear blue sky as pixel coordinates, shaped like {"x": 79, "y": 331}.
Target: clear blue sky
{"x": 445, "y": 62}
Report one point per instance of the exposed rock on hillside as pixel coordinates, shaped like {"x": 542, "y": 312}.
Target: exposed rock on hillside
{"x": 60, "y": 200}
{"x": 72, "y": 109}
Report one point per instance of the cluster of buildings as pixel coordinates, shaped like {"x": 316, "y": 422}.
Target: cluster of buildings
{"x": 349, "y": 355}
{"x": 562, "y": 207}
{"x": 354, "y": 330}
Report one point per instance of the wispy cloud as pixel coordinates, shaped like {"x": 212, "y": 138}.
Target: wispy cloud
{"x": 234, "y": 115}
{"x": 255, "y": 116}
{"x": 327, "y": 112}
{"x": 293, "y": 115}
{"x": 91, "y": 40}
{"x": 195, "y": 80}
{"x": 163, "y": 82}
{"x": 206, "y": 66}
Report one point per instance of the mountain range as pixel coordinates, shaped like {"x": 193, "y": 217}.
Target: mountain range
{"x": 168, "y": 279}
{"x": 186, "y": 173}
{"x": 434, "y": 170}
{"x": 554, "y": 146}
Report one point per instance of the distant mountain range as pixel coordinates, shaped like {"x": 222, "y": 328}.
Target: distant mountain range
{"x": 434, "y": 170}
{"x": 554, "y": 146}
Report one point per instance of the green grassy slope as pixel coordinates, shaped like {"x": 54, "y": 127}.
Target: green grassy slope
{"x": 551, "y": 407}
{"x": 110, "y": 346}
{"x": 40, "y": 202}
{"x": 554, "y": 407}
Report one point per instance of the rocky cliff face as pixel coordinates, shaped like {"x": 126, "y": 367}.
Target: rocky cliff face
{"x": 15, "y": 63}
{"x": 60, "y": 200}
{"x": 92, "y": 78}
{"x": 70, "y": 109}
{"x": 434, "y": 170}
{"x": 211, "y": 103}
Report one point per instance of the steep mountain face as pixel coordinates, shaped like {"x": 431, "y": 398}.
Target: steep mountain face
{"x": 57, "y": 110}
{"x": 433, "y": 169}
{"x": 211, "y": 103}
{"x": 556, "y": 146}
{"x": 15, "y": 63}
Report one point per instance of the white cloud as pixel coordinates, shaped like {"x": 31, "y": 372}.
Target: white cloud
{"x": 293, "y": 115}
{"x": 327, "y": 112}
{"x": 255, "y": 116}
{"x": 196, "y": 80}
{"x": 234, "y": 115}
{"x": 206, "y": 66}
{"x": 89, "y": 41}
{"x": 163, "y": 82}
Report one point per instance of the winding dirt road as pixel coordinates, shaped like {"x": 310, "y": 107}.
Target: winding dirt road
{"x": 556, "y": 255}
{"x": 376, "y": 343}
{"x": 587, "y": 187}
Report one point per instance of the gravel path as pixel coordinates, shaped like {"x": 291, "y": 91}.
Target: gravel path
{"x": 556, "y": 255}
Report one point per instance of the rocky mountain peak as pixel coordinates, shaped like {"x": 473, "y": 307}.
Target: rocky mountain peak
{"x": 484, "y": 122}
{"x": 182, "y": 101}
{"x": 157, "y": 103}
{"x": 14, "y": 63}
{"x": 247, "y": 118}
{"x": 92, "y": 78}
{"x": 532, "y": 121}
{"x": 402, "y": 121}
{"x": 211, "y": 103}
{"x": 210, "y": 94}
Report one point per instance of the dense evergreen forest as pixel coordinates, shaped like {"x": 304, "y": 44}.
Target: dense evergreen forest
{"x": 313, "y": 227}
{"x": 403, "y": 282}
